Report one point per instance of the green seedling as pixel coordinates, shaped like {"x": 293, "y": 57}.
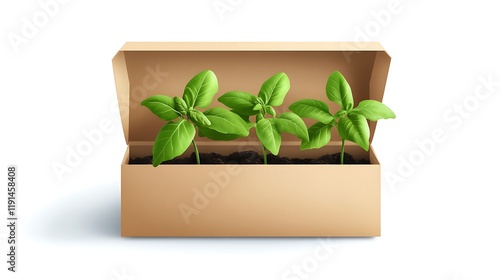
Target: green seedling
{"x": 176, "y": 135}
{"x": 350, "y": 122}
{"x": 268, "y": 125}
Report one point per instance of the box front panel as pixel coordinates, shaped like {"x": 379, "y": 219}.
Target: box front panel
{"x": 251, "y": 200}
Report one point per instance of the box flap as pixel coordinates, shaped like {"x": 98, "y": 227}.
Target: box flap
{"x": 143, "y": 69}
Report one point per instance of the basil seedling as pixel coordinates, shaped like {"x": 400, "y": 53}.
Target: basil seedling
{"x": 267, "y": 123}
{"x": 175, "y": 137}
{"x": 350, "y": 122}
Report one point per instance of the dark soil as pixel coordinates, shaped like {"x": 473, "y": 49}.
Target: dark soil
{"x": 251, "y": 157}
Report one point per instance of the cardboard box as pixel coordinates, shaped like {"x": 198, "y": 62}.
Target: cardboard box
{"x": 247, "y": 200}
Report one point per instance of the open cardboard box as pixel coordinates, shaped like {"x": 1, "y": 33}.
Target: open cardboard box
{"x": 246, "y": 200}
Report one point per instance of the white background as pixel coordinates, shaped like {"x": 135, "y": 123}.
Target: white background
{"x": 440, "y": 217}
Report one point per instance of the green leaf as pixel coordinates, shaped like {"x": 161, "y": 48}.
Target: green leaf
{"x": 355, "y": 128}
{"x": 180, "y": 105}
{"x": 201, "y": 89}
{"x": 270, "y": 110}
{"x": 162, "y": 106}
{"x": 245, "y": 118}
{"x": 198, "y": 118}
{"x": 319, "y": 135}
{"x": 269, "y": 135}
{"x": 240, "y": 102}
{"x": 257, "y": 107}
{"x": 291, "y": 123}
{"x": 172, "y": 141}
{"x": 215, "y": 135}
{"x": 227, "y": 122}
{"x": 314, "y": 109}
{"x": 339, "y": 91}
{"x": 273, "y": 90}
{"x": 373, "y": 110}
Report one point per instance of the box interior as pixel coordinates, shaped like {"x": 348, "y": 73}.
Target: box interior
{"x": 145, "y": 69}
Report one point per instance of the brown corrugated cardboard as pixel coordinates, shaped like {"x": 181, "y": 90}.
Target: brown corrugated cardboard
{"x": 244, "y": 200}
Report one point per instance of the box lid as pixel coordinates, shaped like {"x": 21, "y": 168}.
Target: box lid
{"x": 142, "y": 69}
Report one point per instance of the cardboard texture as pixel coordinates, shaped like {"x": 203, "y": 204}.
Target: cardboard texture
{"x": 247, "y": 200}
